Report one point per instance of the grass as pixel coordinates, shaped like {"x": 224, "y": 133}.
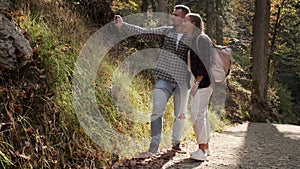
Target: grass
{"x": 48, "y": 133}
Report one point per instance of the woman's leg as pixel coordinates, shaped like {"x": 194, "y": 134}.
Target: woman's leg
{"x": 208, "y": 131}
{"x": 199, "y": 114}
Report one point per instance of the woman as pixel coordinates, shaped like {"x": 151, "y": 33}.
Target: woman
{"x": 202, "y": 89}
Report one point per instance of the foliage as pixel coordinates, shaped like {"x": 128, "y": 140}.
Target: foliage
{"x": 126, "y": 7}
{"x": 285, "y": 102}
{"x": 40, "y": 130}
{"x": 285, "y": 68}
{"x": 95, "y": 12}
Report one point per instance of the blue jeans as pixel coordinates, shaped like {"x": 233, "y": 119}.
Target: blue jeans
{"x": 162, "y": 93}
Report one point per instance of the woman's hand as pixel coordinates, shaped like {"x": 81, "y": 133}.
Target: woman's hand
{"x": 194, "y": 90}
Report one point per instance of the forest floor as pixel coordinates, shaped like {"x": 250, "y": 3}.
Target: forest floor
{"x": 246, "y": 146}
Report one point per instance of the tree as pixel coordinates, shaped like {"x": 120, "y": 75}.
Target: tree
{"x": 260, "y": 50}
{"x": 161, "y": 6}
{"x": 209, "y": 18}
{"x": 219, "y": 22}
{"x": 145, "y": 5}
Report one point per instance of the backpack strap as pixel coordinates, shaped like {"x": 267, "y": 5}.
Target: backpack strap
{"x": 197, "y": 43}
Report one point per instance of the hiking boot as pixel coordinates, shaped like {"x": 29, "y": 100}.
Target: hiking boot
{"x": 176, "y": 147}
{"x": 144, "y": 155}
{"x": 198, "y": 155}
{"x": 153, "y": 148}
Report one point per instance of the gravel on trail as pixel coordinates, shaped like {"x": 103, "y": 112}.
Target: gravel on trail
{"x": 247, "y": 146}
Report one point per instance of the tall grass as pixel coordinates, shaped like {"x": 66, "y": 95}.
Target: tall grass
{"x": 47, "y": 134}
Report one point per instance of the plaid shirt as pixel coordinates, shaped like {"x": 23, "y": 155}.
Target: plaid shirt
{"x": 172, "y": 62}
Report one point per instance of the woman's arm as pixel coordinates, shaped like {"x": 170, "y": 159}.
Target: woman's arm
{"x": 204, "y": 48}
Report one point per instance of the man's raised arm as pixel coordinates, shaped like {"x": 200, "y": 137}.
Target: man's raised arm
{"x": 149, "y": 34}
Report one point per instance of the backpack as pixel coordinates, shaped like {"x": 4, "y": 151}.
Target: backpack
{"x": 220, "y": 59}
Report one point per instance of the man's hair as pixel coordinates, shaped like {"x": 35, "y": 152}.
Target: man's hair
{"x": 184, "y": 8}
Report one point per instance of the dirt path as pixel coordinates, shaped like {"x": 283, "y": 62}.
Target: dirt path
{"x": 247, "y": 146}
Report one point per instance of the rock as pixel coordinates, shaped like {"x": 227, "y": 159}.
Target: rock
{"x": 15, "y": 50}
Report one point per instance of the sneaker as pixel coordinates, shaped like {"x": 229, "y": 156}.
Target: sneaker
{"x": 198, "y": 155}
{"x": 176, "y": 147}
{"x": 153, "y": 148}
{"x": 207, "y": 152}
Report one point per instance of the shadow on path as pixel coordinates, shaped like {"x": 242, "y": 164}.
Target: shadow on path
{"x": 271, "y": 146}
{"x": 185, "y": 163}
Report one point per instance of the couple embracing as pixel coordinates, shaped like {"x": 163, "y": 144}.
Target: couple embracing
{"x": 185, "y": 53}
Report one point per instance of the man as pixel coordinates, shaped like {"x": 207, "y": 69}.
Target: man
{"x": 172, "y": 73}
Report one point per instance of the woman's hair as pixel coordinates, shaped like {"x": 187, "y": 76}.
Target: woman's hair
{"x": 198, "y": 22}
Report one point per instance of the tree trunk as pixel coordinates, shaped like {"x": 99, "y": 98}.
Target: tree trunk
{"x": 260, "y": 50}
{"x": 219, "y": 24}
{"x": 153, "y": 5}
{"x": 210, "y": 15}
{"x": 161, "y": 6}
{"x": 276, "y": 61}
{"x": 145, "y": 5}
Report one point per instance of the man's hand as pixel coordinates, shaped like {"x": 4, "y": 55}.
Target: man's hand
{"x": 118, "y": 21}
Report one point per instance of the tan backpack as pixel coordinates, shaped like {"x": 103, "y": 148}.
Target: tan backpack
{"x": 221, "y": 59}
